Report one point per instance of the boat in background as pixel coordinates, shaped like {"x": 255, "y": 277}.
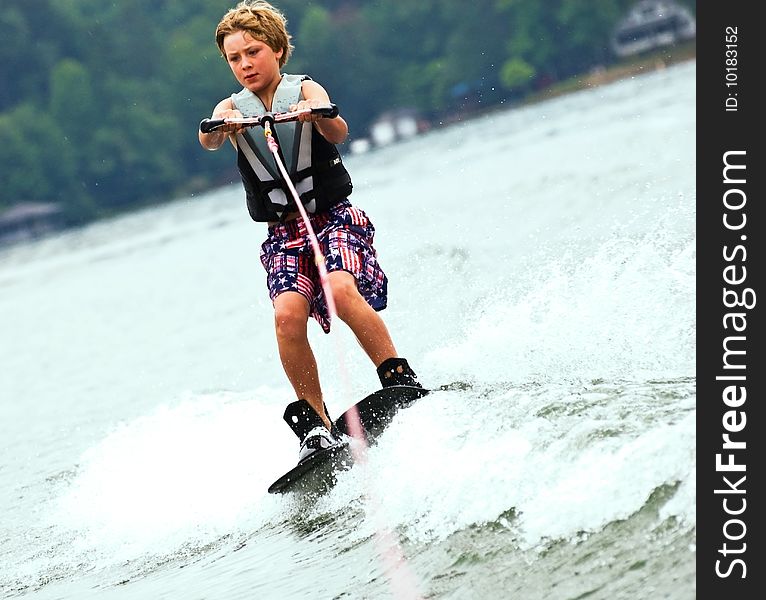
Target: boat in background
{"x": 652, "y": 24}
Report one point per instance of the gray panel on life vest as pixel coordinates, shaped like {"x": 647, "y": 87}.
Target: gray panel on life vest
{"x": 290, "y": 136}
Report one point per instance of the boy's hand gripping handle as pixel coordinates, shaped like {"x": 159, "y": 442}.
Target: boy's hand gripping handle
{"x": 327, "y": 112}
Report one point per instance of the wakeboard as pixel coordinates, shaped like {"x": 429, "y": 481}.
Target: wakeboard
{"x": 376, "y": 412}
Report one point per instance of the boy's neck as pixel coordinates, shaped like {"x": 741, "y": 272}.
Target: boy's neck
{"x": 267, "y": 96}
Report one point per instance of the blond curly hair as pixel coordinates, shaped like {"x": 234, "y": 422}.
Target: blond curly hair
{"x": 262, "y": 21}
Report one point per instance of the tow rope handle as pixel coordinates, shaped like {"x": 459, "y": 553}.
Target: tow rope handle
{"x": 327, "y": 112}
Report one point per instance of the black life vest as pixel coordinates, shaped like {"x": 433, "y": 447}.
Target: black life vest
{"x": 314, "y": 164}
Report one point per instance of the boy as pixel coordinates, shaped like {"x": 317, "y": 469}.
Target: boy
{"x": 253, "y": 39}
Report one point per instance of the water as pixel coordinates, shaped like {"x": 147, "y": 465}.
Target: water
{"x": 542, "y": 272}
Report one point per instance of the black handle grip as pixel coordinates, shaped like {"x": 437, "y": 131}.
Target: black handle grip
{"x": 208, "y": 125}
{"x": 328, "y": 112}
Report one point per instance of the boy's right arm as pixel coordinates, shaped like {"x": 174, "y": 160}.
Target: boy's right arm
{"x": 215, "y": 139}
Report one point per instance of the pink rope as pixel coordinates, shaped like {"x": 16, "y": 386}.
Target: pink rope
{"x": 318, "y": 257}
{"x": 402, "y": 579}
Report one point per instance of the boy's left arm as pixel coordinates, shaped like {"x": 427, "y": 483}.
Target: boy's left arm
{"x": 334, "y": 130}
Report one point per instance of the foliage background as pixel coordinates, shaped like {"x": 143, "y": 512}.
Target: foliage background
{"x": 100, "y": 101}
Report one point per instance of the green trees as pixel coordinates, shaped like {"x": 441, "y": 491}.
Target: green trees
{"x": 100, "y": 101}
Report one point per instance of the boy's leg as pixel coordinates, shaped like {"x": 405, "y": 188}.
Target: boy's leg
{"x": 363, "y": 320}
{"x": 371, "y": 331}
{"x": 351, "y": 258}
{"x": 291, "y": 312}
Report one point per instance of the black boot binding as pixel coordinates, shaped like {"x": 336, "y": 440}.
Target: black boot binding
{"x": 396, "y": 371}
{"x": 309, "y": 427}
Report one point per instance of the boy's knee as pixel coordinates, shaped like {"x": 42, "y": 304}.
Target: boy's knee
{"x": 290, "y": 322}
{"x": 346, "y": 295}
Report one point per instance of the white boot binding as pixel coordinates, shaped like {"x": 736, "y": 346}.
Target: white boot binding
{"x": 309, "y": 427}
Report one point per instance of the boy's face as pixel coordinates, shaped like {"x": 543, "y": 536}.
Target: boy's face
{"x": 253, "y": 62}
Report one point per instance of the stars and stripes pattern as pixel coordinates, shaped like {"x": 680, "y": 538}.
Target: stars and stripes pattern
{"x": 345, "y": 235}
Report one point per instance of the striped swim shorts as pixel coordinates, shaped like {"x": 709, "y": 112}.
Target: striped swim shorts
{"x": 345, "y": 236}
